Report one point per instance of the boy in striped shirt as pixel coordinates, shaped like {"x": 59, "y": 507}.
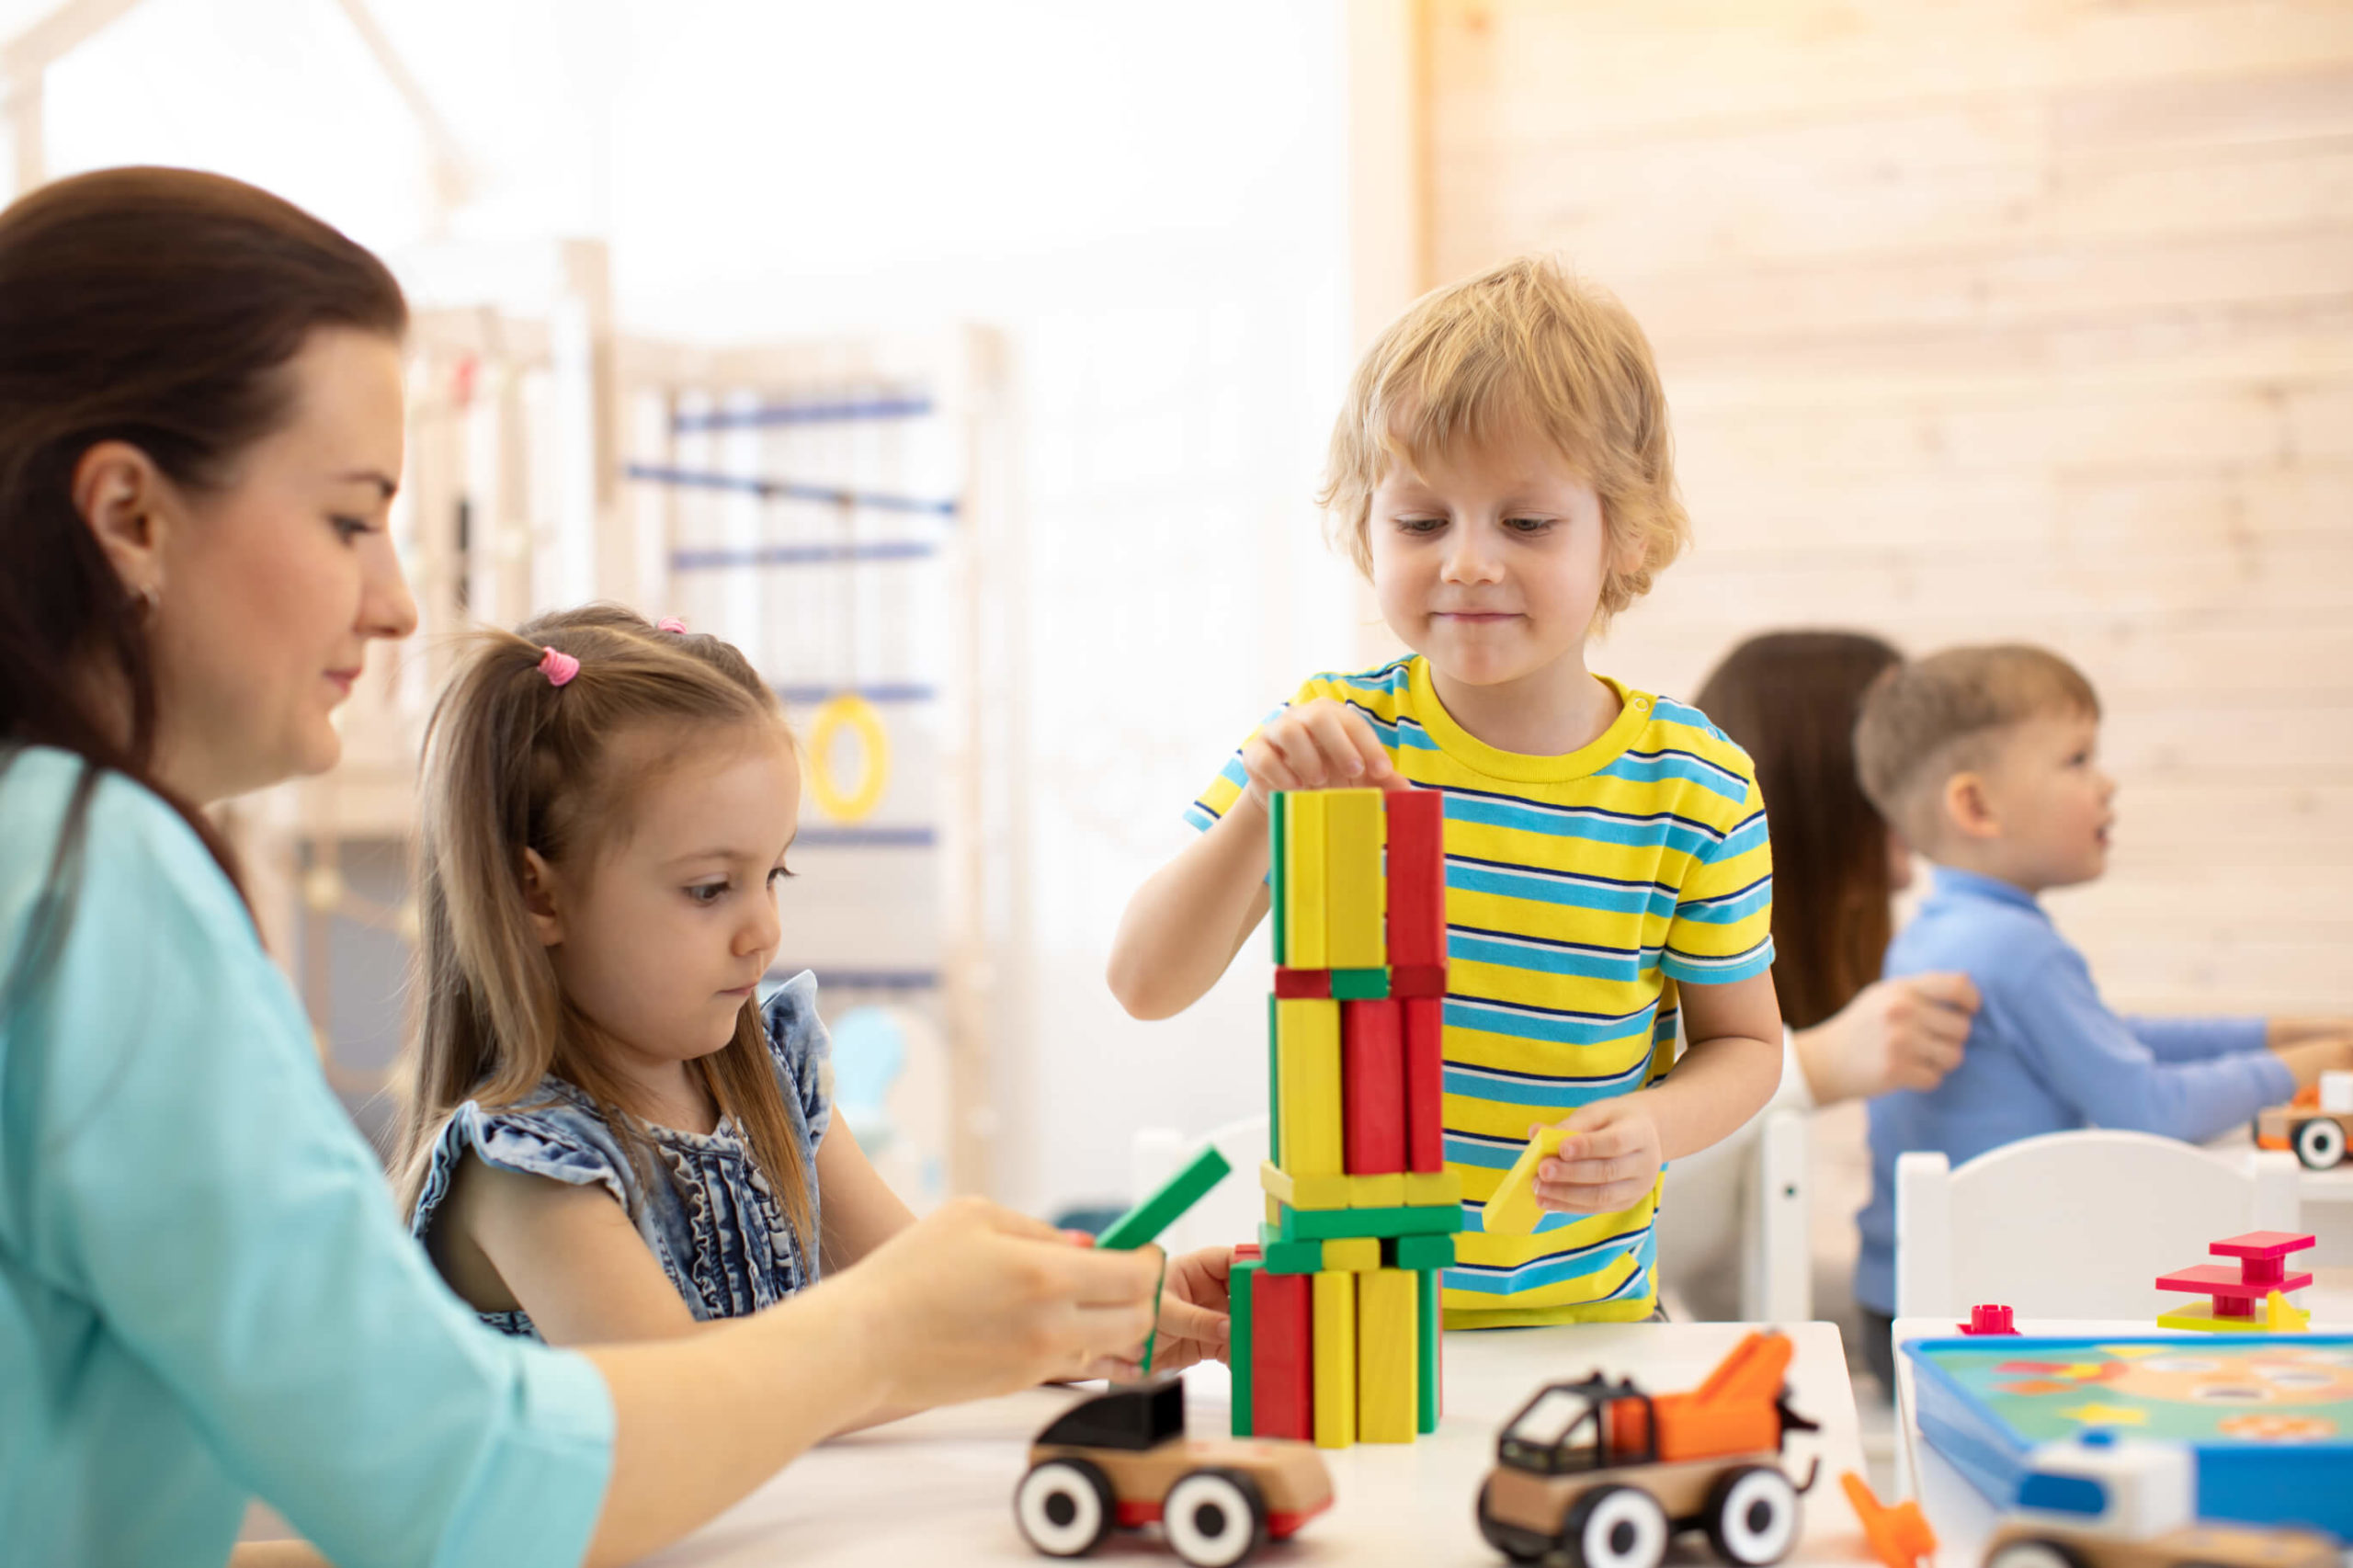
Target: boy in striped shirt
{"x": 1502, "y": 473}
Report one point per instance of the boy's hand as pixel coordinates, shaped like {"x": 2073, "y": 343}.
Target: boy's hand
{"x": 1320, "y": 744}
{"x": 1195, "y": 1324}
{"x": 1608, "y": 1161}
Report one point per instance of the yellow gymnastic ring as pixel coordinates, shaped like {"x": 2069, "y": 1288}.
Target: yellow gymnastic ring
{"x": 847, "y": 711}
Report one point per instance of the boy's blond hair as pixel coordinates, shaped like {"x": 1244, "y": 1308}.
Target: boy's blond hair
{"x": 1924, "y": 722}
{"x": 1527, "y": 342}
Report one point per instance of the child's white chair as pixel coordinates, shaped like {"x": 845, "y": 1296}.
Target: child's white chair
{"x": 1777, "y": 1248}
{"x": 1232, "y": 1210}
{"x": 2073, "y": 1224}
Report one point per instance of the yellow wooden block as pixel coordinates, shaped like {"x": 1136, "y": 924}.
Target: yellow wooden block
{"x": 1335, "y": 1297}
{"x": 1304, "y": 1191}
{"x": 1308, "y": 1073}
{"x": 1377, "y": 1191}
{"x": 1433, "y": 1190}
{"x": 1352, "y": 1255}
{"x": 1388, "y": 1353}
{"x": 1356, "y": 907}
{"x": 1304, "y": 885}
{"x": 1274, "y": 1210}
{"x": 1511, "y": 1208}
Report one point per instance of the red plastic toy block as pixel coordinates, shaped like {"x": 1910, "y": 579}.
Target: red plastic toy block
{"x": 1282, "y": 1358}
{"x": 1417, "y": 979}
{"x": 1416, "y": 876}
{"x": 1302, "y": 985}
{"x": 1988, "y": 1317}
{"x": 2262, "y": 1270}
{"x": 1425, "y": 1082}
{"x": 1372, "y": 1086}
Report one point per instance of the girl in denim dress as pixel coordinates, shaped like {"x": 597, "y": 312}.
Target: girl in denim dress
{"x": 605, "y": 1135}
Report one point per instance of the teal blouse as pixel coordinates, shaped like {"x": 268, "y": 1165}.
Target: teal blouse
{"x": 205, "y": 1292}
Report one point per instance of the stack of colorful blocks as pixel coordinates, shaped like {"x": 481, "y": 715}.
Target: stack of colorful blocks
{"x": 1335, "y": 1313}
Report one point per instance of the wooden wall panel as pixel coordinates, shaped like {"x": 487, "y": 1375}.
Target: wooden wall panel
{"x": 2029, "y": 320}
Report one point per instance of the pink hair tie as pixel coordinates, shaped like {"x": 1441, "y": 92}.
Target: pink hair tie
{"x": 671, "y": 623}
{"x": 558, "y": 666}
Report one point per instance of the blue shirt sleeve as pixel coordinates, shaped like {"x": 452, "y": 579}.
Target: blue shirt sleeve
{"x": 2089, "y": 1058}
{"x": 2195, "y": 1040}
{"x": 202, "y": 1187}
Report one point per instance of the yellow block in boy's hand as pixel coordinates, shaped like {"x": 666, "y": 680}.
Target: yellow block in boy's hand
{"x": 1511, "y": 1210}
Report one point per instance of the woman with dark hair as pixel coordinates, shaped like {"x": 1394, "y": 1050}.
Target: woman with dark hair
{"x": 1791, "y": 699}
{"x": 205, "y": 1292}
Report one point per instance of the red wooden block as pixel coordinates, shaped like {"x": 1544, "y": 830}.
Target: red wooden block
{"x": 1373, "y": 1087}
{"x": 1302, "y": 985}
{"x": 1417, "y": 979}
{"x": 1282, "y": 1358}
{"x": 1425, "y": 1082}
{"x": 1416, "y": 876}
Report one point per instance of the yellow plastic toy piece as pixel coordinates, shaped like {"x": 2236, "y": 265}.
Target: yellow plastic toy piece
{"x": 1388, "y": 1352}
{"x": 847, "y": 711}
{"x": 1356, "y": 907}
{"x": 1335, "y": 1296}
{"x": 1304, "y": 887}
{"x": 1308, "y": 1073}
{"x": 2280, "y": 1315}
{"x": 1352, "y": 1255}
{"x": 1377, "y": 1191}
{"x": 1433, "y": 1190}
{"x": 1305, "y": 1191}
{"x": 1511, "y": 1208}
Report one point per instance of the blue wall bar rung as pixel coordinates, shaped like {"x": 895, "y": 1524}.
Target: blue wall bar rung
{"x": 884, "y": 692}
{"x": 800, "y": 554}
{"x": 865, "y": 838}
{"x": 791, "y": 490}
{"x": 842, "y": 411}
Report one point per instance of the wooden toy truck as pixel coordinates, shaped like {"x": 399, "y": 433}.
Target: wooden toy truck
{"x": 1123, "y": 1459}
{"x": 2315, "y": 1124}
{"x": 1600, "y": 1474}
{"x": 2100, "y": 1503}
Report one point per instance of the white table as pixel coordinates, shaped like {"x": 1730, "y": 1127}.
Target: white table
{"x": 936, "y": 1489}
{"x": 1962, "y": 1518}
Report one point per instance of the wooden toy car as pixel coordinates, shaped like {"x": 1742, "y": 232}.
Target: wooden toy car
{"x": 2315, "y": 1124}
{"x": 1122, "y": 1459}
{"x": 2098, "y": 1502}
{"x": 1599, "y": 1474}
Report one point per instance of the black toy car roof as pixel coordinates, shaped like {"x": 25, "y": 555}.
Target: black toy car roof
{"x": 1135, "y": 1417}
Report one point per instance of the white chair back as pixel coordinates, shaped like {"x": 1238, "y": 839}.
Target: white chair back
{"x": 1232, "y": 1210}
{"x": 2074, "y": 1224}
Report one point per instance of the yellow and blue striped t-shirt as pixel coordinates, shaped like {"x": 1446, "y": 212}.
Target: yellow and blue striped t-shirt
{"x": 1579, "y": 890}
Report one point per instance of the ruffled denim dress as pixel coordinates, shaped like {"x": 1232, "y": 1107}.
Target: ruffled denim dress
{"x": 709, "y": 1215}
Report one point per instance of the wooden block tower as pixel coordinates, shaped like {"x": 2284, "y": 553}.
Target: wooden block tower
{"x": 1336, "y": 1311}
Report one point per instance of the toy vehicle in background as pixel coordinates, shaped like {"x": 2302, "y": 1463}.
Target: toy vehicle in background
{"x": 2315, "y": 1124}
{"x": 1601, "y": 1475}
{"x": 2098, "y": 1502}
{"x": 1121, "y": 1460}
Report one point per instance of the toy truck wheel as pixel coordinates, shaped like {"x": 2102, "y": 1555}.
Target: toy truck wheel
{"x": 2320, "y": 1144}
{"x": 1214, "y": 1517}
{"x": 1514, "y": 1543}
{"x": 1752, "y": 1515}
{"x": 1615, "y": 1527}
{"x": 1064, "y": 1507}
{"x": 2036, "y": 1554}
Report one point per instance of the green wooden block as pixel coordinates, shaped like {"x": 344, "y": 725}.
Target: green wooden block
{"x": 1320, "y": 1225}
{"x": 1282, "y": 1256}
{"x": 1361, "y": 984}
{"x": 1428, "y": 1323}
{"x": 1424, "y": 1251}
{"x": 1238, "y": 1312}
{"x": 1274, "y": 1082}
{"x": 1277, "y": 814}
{"x": 1157, "y": 1213}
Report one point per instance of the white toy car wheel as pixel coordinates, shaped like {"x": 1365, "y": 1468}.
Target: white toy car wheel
{"x": 1214, "y": 1518}
{"x": 2320, "y": 1144}
{"x": 1752, "y": 1517}
{"x": 2034, "y": 1554}
{"x": 1615, "y": 1527}
{"x": 1064, "y": 1507}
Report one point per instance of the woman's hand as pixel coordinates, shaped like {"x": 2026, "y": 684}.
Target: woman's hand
{"x": 1195, "y": 1316}
{"x": 1897, "y": 1034}
{"x": 974, "y": 1300}
{"x": 1320, "y": 744}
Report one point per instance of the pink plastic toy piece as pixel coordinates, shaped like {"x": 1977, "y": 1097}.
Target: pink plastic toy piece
{"x": 1987, "y": 1317}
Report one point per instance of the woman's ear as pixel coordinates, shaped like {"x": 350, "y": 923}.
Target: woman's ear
{"x": 539, "y": 888}
{"x": 118, "y": 491}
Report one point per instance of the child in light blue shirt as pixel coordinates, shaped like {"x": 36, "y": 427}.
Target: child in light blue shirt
{"x": 1985, "y": 759}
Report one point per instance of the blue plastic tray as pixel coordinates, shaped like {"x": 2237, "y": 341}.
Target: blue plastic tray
{"x": 2269, "y": 1416}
